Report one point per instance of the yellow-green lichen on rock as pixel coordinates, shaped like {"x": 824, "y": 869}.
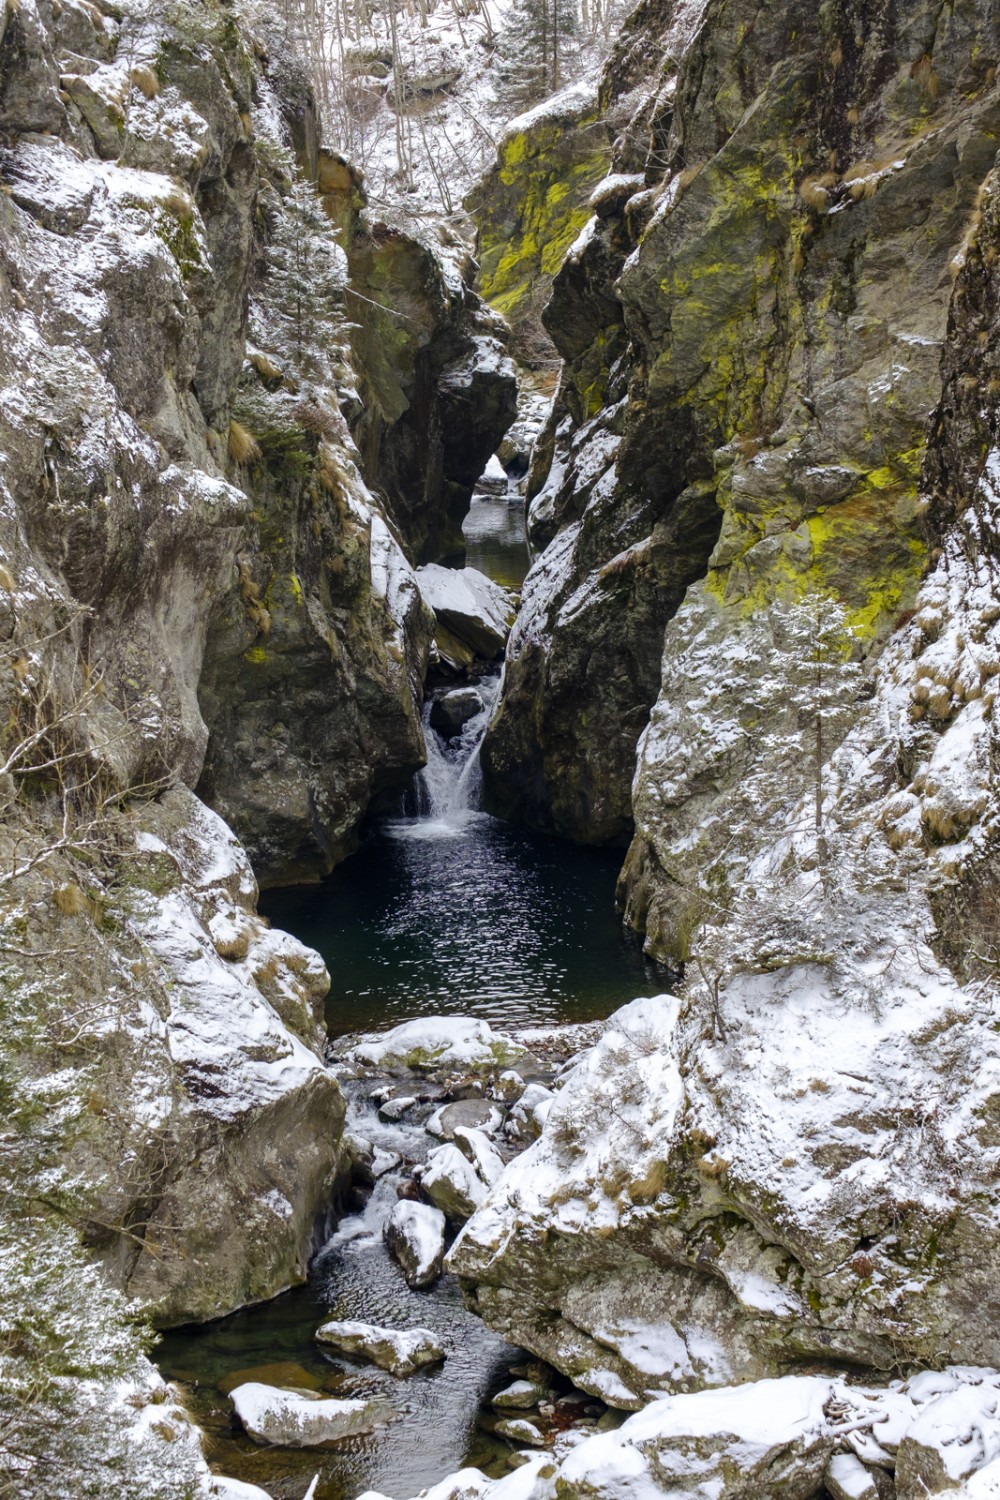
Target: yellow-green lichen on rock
{"x": 533, "y": 204}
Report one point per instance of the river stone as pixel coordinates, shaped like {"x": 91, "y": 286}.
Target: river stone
{"x": 735, "y": 1443}
{"x": 401, "y": 1352}
{"x": 453, "y": 709}
{"x": 301, "y": 1419}
{"x": 519, "y": 1396}
{"x": 415, "y": 1235}
{"x": 394, "y": 1109}
{"x": 464, "y": 1114}
{"x": 452, "y": 1183}
{"x": 518, "y": 1430}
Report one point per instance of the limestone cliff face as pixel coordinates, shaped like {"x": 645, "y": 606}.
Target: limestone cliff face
{"x": 796, "y": 1156}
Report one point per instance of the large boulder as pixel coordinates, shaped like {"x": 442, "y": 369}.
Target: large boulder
{"x": 415, "y": 1234}
{"x": 470, "y": 607}
{"x": 301, "y": 1419}
{"x": 452, "y": 1183}
{"x": 401, "y": 1352}
{"x": 435, "y": 1044}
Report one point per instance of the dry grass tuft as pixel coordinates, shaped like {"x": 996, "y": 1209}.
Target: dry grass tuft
{"x": 266, "y": 367}
{"x": 815, "y": 191}
{"x": 243, "y": 446}
{"x": 70, "y": 900}
{"x": 145, "y": 80}
{"x": 922, "y": 72}
{"x": 7, "y": 581}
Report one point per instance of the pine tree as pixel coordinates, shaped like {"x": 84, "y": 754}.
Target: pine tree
{"x": 308, "y": 272}
{"x": 536, "y": 51}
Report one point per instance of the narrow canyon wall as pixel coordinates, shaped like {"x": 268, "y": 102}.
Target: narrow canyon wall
{"x": 795, "y": 1159}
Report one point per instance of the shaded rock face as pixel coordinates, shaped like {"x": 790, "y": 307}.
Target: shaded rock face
{"x": 189, "y": 1128}
{"x": 438, "y": 387}
{"x": 531, "y": 206}
{"x": 752, "y": 352}
{"x": 799, "y": 1167}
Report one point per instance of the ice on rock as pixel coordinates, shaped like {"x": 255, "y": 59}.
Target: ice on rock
{"x": 415, "y": 1235}
{"x": 439, "y": 1042}
{"x": 401, "y": 1352}
{"x": 300, "y": 1419}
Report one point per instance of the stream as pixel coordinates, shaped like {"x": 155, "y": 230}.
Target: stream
{"x": 443, "y": 910}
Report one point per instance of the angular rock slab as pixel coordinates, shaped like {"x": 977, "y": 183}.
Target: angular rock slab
{"x": 452, "y": 1183}
{"x": 401, "y": 1352}
{"x": 470, "y": 605}
{"x": 300, "y": 1419}
{"x": 415, "y": 1236}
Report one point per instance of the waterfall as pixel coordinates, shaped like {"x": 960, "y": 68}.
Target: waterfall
{"x": 445, "y": 795}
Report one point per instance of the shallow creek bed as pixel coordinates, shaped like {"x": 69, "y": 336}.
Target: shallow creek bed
{"x": 465, "y": 1100}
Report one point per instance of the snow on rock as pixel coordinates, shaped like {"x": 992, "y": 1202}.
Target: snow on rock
{"x": 520, "y": 1430}
{"x": 439, "y": 1042}
{"x": 223, "y": 1488}
{"x": 464, "y": 1114}
{"x": 401, "y": 1352}
{"x": 452, "y": 1183}
{"x": 301, "y": 1419}
{"x": 415, "y": 1235}
{"x": 518, "y": 1396}
{"x": 470, "y": 606}
{"x": 847, "y": 1478}
{"x": 476, "y": 1146}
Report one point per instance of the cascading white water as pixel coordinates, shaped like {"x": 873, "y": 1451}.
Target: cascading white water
{"x": 447, "y": 790}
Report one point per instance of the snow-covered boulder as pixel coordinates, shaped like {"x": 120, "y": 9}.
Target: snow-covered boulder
{"x": 470, "y": 606}
{"x": 520, "y": 1430}
{"x": 452, "y": 1183}
{"x": 846, "y": 1478}
{"x": 415, "y": 1235}
{"x": 437, "y": 1043}
{"x": 301, "y": 1419}
{"x": 464, "y": 1114}
{"x": 476, "y": 1147}
{"x": 221, "y": 1487}
{"x": 741, "y": 1443}
{"x": 401, "y": 1352}
{"x": 519, "y": 1396}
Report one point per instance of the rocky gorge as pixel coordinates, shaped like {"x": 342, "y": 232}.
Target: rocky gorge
{"x": 243, "y": 413}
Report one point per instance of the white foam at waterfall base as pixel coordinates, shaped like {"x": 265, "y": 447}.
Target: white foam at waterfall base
{"x": 448, "y": 790}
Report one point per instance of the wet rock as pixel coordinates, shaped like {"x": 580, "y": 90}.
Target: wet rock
{"x": 455, "y": 708}
{"x": 471, "y": 607}
{"x": 464, "y": 1114}
{"x": 394, "y": 1109}
{"x": 415, "y": 1235}
{"x": 518, "y": 1430}
{"x": 401, "y": 1352}
{"x": 301, "y": 1419}
{"x": 453, "y": 1184}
